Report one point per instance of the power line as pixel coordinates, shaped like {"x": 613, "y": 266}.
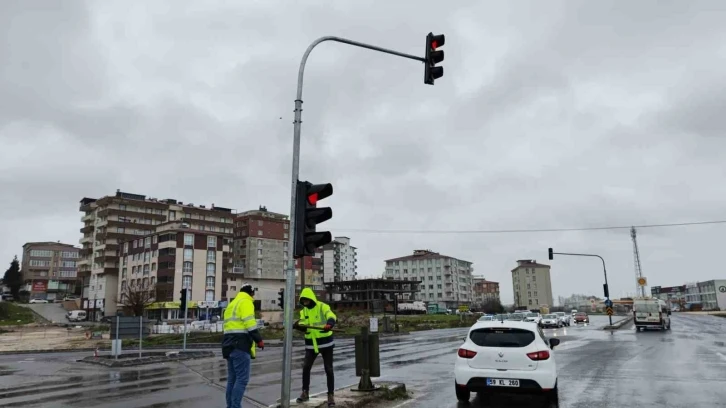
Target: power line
{"x": 519, "y": 231}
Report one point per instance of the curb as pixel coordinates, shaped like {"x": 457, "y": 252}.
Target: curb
{"x": 619, "y": 324}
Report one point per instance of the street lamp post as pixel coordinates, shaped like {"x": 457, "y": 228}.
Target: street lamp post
{"x": 606, "y": 289}
{"x": 290, "y": 273}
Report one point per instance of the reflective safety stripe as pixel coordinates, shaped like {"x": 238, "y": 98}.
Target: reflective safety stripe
{"x": 237, "y": 319}
{"x": 331, "y": 344}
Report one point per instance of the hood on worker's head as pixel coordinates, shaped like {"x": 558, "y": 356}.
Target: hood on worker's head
{"x": 308, "y": 293}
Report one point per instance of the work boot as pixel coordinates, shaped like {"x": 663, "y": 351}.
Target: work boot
{"x": 331, "y": 400}
{"x": 304, "y": 397}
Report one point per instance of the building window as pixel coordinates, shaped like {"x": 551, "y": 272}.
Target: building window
{"x": 209, "y": 295}
{"x": 126, "y": 247}
{"x": 145, "y": 283}
{"x": 147, "y": 256}
{"x": 212, "y": 242}
{"x": 153, "y": 280}
{"x": 259, "y": 223}
{"x": 154, "y": 239}
{"x": 187, "y": 268}
{"x": 123, "y": 272}
{"x": 186, "y": 283}
{"x": 134, "y": 244}
{"x": 259, "y": 252}
{"x": 211, "y": 269}
{"x": 189, "y": 239}
{"x": 188, "y": 254}
{"x": 146, "y": 269}
{"x": 147, "y": 242}
{"x": 211, "y": 255}
{"x": 210, "y": 281}
{"x": 123, "y": 285}
{"x": 286, "y": 235}
{"x": 259, "y": 232}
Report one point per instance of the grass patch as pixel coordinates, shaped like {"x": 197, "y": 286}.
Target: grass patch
{"x": 12, "y": 314}
{"x": 393, "y": 394}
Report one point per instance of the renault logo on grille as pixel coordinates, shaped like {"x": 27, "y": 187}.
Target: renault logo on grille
{"x": 501, "y": 354}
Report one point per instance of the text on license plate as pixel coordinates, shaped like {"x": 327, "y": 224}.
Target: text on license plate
{"x": 497, "y": 382}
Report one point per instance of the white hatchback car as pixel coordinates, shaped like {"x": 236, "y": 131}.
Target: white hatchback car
{"x": 506, "y": 357}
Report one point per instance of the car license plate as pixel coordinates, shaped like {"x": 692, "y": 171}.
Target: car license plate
{"x": 497, "y": 382}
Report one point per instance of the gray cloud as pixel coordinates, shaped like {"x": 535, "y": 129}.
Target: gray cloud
{"x": 550, "y": 115}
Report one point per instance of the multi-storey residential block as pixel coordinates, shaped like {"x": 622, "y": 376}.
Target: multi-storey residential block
{"x": 124, "y": 217}
{"x": 49, "y": 269}
{"x": 531, "y": 284}
{"x": 340, "y": 261}
{"x": 485, "y": 291}
{"x": 444, "y": 280}
{"x": 177, "y": 256}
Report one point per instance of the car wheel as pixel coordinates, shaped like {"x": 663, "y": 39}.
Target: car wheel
{"x": 462, "y": 394}
{"x": 552, "y": 396}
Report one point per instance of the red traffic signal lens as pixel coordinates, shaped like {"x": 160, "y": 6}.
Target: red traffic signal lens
{"x": 313, "y": 198}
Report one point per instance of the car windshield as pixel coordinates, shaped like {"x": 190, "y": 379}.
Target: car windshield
{"x": 646, "y": 307}
{"x": 581, "y": 314}
{"x": 560, "y": 313}
{"x": 550, "y": 316}
{"x": 515, "y": 316}
{"x": 501, "y": 337}
{"x": 531, "y": 314}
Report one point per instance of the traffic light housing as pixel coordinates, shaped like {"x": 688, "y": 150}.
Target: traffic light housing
{"x": 183, "y": 299}
{"x": 281, "y": 298}
{"x": 308, "y": 216}
{"x": 552, "y": 256}
{"x": 433, "y": 57}
{"x": 605, "y": 290}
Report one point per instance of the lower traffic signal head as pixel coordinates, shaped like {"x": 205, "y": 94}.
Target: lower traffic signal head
{"x": 551, "y": 254}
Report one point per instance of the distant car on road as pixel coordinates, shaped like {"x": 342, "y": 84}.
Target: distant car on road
{"x": 564, "y": 318}
{"x": 551, "y": 320}
{"x": 33, "y": 301}
{"x": 532, "y": 317}
{"x": 582, "y": 317}
{"x": 515, "y": 317}
{"x": 573, "y": 313}
{"x": 506, "y": 357}
{"x": 486, "y": 318}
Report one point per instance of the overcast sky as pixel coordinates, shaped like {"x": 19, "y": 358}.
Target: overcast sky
{"x": 549, "y": 115}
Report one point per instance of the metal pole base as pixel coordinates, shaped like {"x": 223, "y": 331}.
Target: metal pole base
{"x": 365, "y": 384}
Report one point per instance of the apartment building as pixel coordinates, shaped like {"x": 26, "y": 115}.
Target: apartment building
{"x": 178, "y": 256}
{"x": 675, "y": 296}
{"x": 49, "y": 269}
{"x": 485, "y": 291}
{"x": 125, "y": 217}
{"x": 532, "y": 284}
{"x": 340, "y": 261}
{"x": 260, "y": 255}
{"x": 444, "y": 279}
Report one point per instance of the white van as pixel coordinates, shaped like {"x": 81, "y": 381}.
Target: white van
{"x": 651, "y": 313}
{"x": 76, "y": 316}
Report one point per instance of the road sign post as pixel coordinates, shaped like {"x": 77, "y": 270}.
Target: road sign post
{"x": 288, "y": 314}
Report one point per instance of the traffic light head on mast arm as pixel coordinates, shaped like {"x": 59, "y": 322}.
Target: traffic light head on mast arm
{"x": 433, "y": 57}
{"x": 308, "y": 216}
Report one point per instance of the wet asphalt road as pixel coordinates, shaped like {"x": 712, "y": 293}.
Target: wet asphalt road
{"x": 684, "y": 367}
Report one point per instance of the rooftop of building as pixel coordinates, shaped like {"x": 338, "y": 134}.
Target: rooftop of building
{"x": 139, "y": 198}
{"x": 423, "y": 254}
{"x": 262, "y": 212}
{"x": 48, "y": 243}
{"x": 481, "y": 279}
{"x": 529, "y": 263}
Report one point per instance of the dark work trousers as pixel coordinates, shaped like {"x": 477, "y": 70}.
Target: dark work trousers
{"x": 310, "y": 357}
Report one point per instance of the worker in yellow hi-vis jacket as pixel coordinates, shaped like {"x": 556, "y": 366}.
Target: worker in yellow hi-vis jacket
{"x": 318, "y": 320}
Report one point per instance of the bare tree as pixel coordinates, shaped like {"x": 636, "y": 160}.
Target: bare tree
{"x": 136, "y": 298}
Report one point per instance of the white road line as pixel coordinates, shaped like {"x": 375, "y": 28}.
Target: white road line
{"x": 723, "y": 357}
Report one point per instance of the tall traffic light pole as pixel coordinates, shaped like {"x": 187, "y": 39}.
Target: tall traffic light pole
{"x": 605, "y": 287}
{"x": 290, "y": 273}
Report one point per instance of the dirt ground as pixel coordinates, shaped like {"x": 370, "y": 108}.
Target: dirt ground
{"x": 40, "y": 337}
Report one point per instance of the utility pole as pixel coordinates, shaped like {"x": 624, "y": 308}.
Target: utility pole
{"x": 297, "y": 125}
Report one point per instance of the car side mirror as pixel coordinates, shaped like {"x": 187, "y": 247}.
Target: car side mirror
{"x": 554, "y": 342}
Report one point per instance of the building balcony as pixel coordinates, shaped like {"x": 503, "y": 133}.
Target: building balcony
{"x": 87, "y": 218}
{"x": 87, "y": 229}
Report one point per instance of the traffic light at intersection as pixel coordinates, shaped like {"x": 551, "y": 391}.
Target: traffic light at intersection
{"x": 433, "y": 57}
{"x": 308, "y": 216}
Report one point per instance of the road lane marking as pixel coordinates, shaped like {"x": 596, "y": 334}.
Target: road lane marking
{"x": 723, "y": 357}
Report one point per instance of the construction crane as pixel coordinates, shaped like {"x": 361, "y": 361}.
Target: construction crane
{"x": 636, "y": 259}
